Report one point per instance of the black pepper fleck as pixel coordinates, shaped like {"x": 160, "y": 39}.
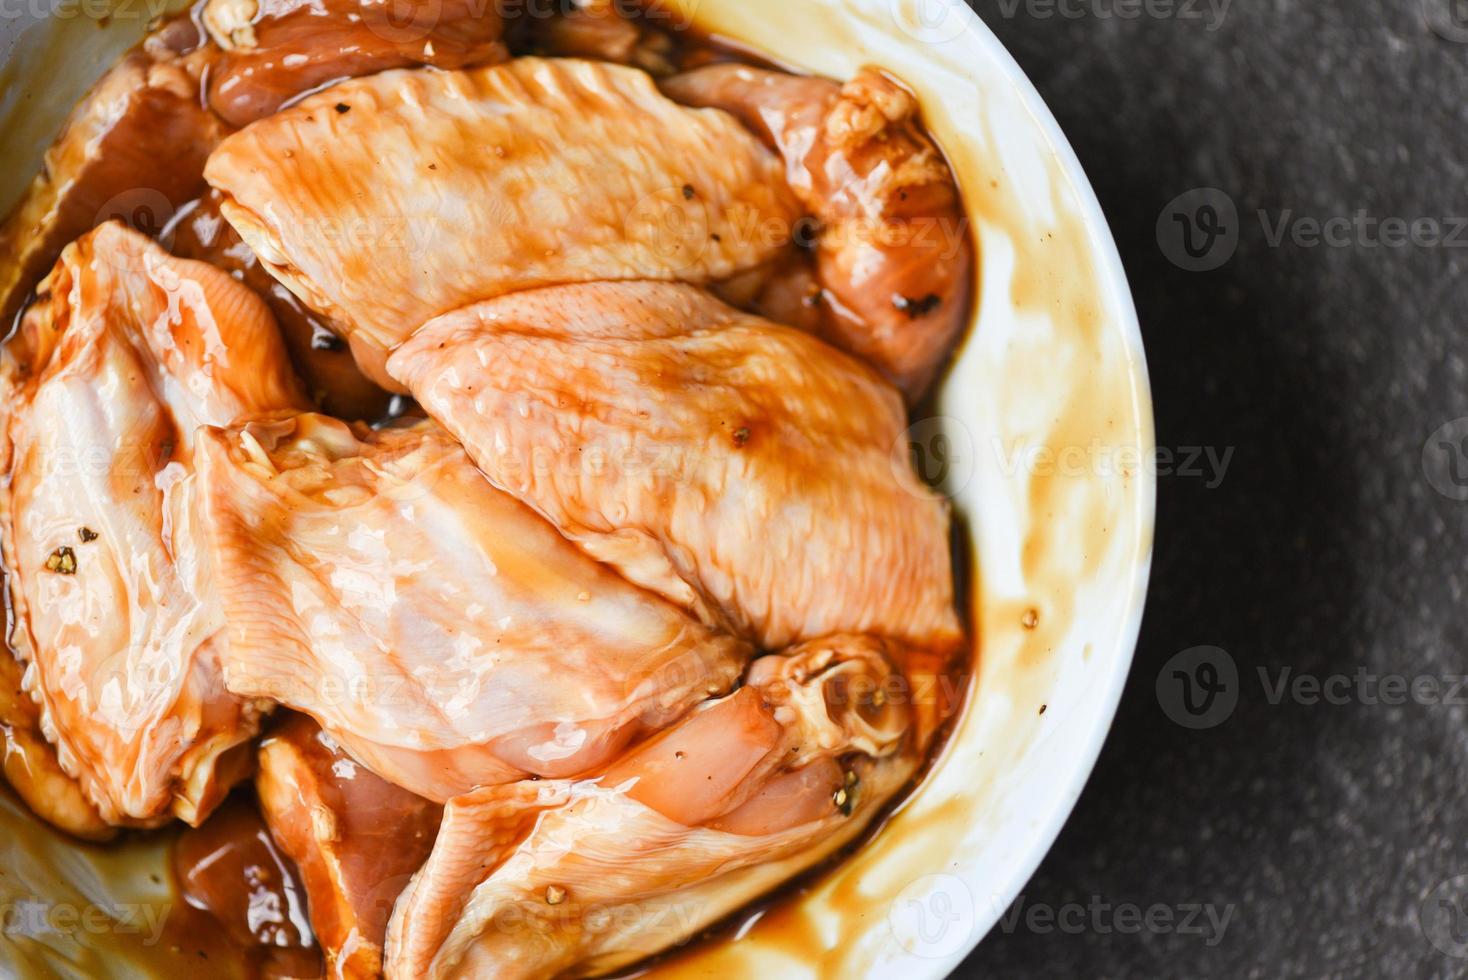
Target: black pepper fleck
{"x": 87, "y": 534}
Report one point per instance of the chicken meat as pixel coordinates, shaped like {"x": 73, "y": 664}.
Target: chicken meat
{"x": 331, "y": 376}
{"x": 745, "y": 470}
{"x": 356, "y": 838}
{"x": 597, "y": 29}
{"x": 133, "y": 149}
{"x": 125, "y": 353}
{"x": 894, "y": 261}
{"x": 273, "y": 50}
{"x": 443, "y": 633}
{"x": 385, "y": 201}
{"x": 577, "y": 878}
{"x": 31, "y": 766}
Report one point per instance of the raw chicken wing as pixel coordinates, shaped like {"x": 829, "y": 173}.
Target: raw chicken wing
{"x": 745, "y": 470}
{"x": 330, "y": 374}
{"x": 126, "y": 352}
{"x": 133, "y": 149}
{"x": 385, "y": 201}
{"x": 444, "y": 634}
{"x": 562, "y": 878}
{"x": 894, "y": 262}
{"x": 273, "y": 50}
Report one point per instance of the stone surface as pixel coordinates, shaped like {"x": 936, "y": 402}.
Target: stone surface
{"x": 1330, "y": 828}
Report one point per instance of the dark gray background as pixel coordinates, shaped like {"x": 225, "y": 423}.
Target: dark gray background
{"x": 1325, "y": 548}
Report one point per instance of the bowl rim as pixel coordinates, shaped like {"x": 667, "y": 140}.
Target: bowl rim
{"x": 1085, "y": 743}
{"x": 1088, "y": 743}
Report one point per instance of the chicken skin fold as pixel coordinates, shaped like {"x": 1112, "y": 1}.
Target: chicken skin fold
{"x": 385, "y": 201}
{"x": 745, "y": 470}
{"x": 576, "y": 878}
{"x": 125, "y": 354}
{"x": 437, "y": 628}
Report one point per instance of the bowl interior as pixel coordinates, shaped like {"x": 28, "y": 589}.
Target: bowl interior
{"x": 1041, "y": 435}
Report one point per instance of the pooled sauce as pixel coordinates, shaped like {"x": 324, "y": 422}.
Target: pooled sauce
{"x": 235, "y": 880}
{"x": 231, "y": 871}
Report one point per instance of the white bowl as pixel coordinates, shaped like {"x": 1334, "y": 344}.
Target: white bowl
{"x": 1046, "y": 436}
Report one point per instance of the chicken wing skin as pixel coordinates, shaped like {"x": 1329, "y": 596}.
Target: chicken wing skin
{"x": 331, "y": 376}
{"x": 744, "y": 470}
{"x": 385, "y": 201}
{"x": 355, "y": 837}
{"x": 442, "y": 632}
{"x": 563, "y": 878}
{"x": 893, "y": 259}
{"x": 273, "y": 50}
{"x": 126, "y": 352}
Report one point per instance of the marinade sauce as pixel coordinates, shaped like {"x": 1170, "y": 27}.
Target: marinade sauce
{"x": 241, "y": 908}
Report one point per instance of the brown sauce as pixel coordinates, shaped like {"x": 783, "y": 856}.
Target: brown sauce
{"x": 230, "y": 872}
{"x": 243, "y": 899}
